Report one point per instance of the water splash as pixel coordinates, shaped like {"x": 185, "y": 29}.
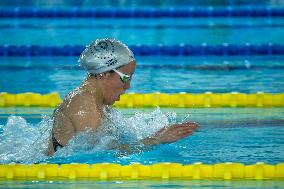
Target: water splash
{"x": 22, "y": 142}
{"x": 117, "y": 130}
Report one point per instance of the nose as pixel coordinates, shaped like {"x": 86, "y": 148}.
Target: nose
{"x": 126, "y": 85}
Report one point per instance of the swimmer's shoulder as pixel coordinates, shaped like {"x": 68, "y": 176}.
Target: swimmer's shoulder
{"x": 80, "y": 98}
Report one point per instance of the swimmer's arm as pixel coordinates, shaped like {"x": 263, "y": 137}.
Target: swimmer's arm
{"x": 170, "y": 134}
{"x": 165, "y": 135}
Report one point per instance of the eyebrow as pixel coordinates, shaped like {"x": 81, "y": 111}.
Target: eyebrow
{"x": 128, "y": 73}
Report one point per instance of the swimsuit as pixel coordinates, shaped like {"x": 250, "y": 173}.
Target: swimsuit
{"x": 55, "y": 143}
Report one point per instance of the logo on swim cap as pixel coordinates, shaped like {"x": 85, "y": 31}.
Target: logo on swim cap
{"x": 104, "y": 55}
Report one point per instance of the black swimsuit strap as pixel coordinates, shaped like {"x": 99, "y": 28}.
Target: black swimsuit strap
{"x": 55, "y": 142}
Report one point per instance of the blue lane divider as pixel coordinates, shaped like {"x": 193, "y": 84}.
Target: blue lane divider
{"x": 248, "y": 11}
{"x": 150, "y": 50}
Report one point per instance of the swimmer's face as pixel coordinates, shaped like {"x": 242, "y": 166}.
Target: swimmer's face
{"x": 115, "y": 87}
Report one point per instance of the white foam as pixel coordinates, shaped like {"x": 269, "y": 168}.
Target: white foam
{"x": 23, "y": 142}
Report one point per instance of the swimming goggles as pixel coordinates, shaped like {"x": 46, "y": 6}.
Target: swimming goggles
{"x": 123, "y": 77}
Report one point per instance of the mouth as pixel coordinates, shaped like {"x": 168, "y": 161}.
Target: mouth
{"x": 118, "y": 98}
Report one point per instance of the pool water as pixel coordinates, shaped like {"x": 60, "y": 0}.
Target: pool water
{"x": 145, "y": 184}
{"x": 168, "y": 31}
{"x": 245, "y": 135}
{"x": 153, "y": 74}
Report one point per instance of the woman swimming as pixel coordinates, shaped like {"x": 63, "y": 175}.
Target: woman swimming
{"x": 110, "y": 65}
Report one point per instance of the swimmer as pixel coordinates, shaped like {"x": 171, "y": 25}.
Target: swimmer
{"x": 110, "y": 65}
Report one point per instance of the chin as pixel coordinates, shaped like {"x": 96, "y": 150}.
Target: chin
{"x": 110, "y": 102}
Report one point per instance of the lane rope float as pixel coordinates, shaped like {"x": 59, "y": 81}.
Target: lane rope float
{"x": 149, "y": 12}
{"x": 177, "y": 100}
{"x": 108, "y": 171}
{"x": 151, "y": 50}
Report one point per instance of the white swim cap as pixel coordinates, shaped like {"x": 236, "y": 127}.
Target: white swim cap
{"x": 104, "y": 55}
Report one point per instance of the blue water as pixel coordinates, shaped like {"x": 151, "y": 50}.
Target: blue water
{"x": 168, "y": 31}
{"x": 243, "y": 127}
{"x": 246, "y": 135}
{"x": 145, "y": 184}
{"x": 192, "y": 75}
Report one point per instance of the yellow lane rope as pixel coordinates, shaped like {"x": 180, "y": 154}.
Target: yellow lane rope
{"x": 105, "y": 171}
{"x": 177, "y": 100}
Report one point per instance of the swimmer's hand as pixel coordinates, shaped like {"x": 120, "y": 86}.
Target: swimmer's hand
{"x": 171, "y": 133}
